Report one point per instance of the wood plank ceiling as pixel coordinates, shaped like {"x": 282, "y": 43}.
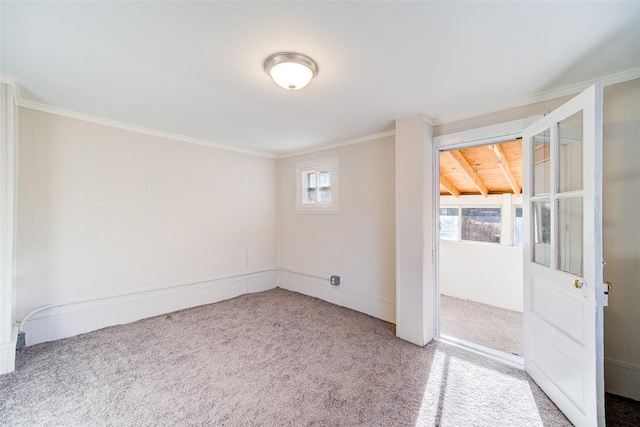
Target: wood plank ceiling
{"x": 487, "y": 169}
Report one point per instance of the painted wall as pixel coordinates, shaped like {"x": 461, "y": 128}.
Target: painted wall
{"x": 499, "y": 266}
{"x": 357, "y": 243}
{"x": 621, "y": 211}
{"x": 143, "y": 224}
{"x": 483, "y": 272}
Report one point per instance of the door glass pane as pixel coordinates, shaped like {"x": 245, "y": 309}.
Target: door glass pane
{"x": 570, "y": 153}
{"x": 570, "y": 235}
{"x": 541, "y": 241}
{"x": 541, "y": 162}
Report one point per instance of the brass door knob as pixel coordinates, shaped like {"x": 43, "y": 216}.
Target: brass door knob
{"x": 578, "y": 284}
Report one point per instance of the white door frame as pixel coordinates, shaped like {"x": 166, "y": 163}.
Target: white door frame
{"x": 494, "y": 134}
{"x": 8, "y": 181}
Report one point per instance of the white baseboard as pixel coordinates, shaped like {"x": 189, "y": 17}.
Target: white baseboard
{"x": 8, "y": 353}
{"x": 622, "y": 378}
{"x": 77, "y": 318}
{"x": 379, "y": 307}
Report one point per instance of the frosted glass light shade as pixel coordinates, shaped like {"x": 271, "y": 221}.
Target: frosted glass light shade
{"x": 291, "y": 70}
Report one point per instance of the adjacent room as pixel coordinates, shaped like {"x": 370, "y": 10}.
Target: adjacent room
{"x": 480, "y": 245}
{"x": 289, "y": 213}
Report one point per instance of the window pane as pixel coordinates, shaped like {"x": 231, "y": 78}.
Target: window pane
{"x": 541, "y": 162}
{"x": 309, "y": 187}
{"x": 325, "y": 186}
{"x": 541, "y": 216}
{"x": 517, "y": 228}
{"x": 570, "y": 153}
{"x": 481, "y": 224}
{"x": 570, "y": 235}
{"x": 449, "y": 223}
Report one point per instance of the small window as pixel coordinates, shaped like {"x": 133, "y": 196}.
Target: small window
{"x": 481, "y": 224}
{"x": 517, "y": 227}
{"x": 449, "y": 223}
{"x": 317, "y": 183}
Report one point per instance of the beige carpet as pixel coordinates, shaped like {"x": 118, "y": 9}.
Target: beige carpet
{"x": 482, "y": 324}
{"x": 276, "y": 358}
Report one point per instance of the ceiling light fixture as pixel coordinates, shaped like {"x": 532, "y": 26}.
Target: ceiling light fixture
{"x": 291, "y": 70}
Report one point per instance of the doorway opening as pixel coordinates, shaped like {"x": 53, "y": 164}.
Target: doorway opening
{"x": 480, "y": 254}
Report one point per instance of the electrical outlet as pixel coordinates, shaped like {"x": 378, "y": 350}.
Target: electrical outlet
{"x": 335, "y": 280}
{"x": 22, "y": 341}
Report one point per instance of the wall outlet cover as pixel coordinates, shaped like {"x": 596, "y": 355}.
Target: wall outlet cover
{"x": 335, "y": 280}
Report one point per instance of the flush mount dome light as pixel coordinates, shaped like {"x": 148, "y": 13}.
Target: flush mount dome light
{"x": 291, "y": 70}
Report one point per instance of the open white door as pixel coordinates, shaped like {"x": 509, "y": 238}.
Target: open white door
{"x": 563, "y": 302}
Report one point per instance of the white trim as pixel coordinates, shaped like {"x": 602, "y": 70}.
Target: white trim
{"x": 315, "y": 286}
{"x": 573, "y": 89}
{"x": 622, "y": 378}
{"x": 8, "y": 186}
{"x": 8, "y": 80}
{"x": 8, "y": 353}
{"x": 339, "y": 144}
{"x": 24, "y": 318}
{"x": 138, "y": 129}
{"x": 493, "y": 134}
{"x": 622, "y": 364}
{"x": 499, "y": 356}
{"x": 72, "y": 318}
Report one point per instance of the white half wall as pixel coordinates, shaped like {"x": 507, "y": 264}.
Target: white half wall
{"x": 113, "y": 218}
{"x": 482, "y": 272}
{"x": 357, "y": 243}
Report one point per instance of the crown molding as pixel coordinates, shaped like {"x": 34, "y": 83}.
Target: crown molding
{"x": 14, "y": 83}
{"x": 138, "y": 129}
{"x": 339, "y": 144}
{"x": 574, "y": 89}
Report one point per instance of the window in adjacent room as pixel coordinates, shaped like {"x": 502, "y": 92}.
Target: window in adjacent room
{"x": 517, "y": 227}
{"x": 481, "y": 224}
{"x": 317, "y": 186}
{"x": 449, "y": 223}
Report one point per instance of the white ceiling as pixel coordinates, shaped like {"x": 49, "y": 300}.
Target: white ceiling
{"x": 195, "y": 68}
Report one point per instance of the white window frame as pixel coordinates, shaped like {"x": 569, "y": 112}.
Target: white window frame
{"x": 507, "y": 213}
{"x": 302, "y": 169}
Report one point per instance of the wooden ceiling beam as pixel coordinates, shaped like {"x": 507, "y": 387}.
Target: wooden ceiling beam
{"x": 448, "y": 185}
{"x": 504, "y": 166}
{"x": 469, "y": 170}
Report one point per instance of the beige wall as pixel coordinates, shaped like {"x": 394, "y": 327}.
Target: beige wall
{"x": 357, "y": 243}
{"x": 106, "y": 212}
{"x": 621, "y": 211}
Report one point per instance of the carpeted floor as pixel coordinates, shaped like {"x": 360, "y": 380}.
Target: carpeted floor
{"x": 482, "y": 324}
{"x": 621, "y": 412}
{"x": 274, "y": 358}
